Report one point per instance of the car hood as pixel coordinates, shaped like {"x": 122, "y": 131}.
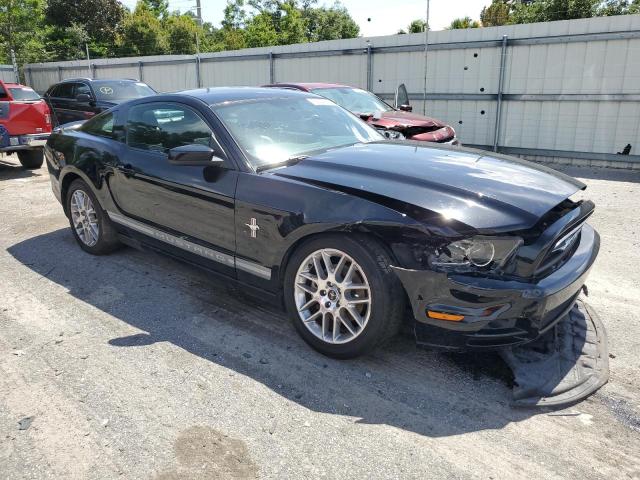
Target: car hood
{"x": 488, "y": 192}
{"x": 399, "y": 119}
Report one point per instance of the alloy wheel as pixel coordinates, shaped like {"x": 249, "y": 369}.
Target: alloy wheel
{"x": 332, "y": 296}
{"x": 84, "y": 218}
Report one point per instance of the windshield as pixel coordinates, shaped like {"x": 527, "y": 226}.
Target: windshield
{"x": 24, "y": 94}
{"x": 273, "y": 130}
{"x": 119, "y": 91}
{"x": 354, "y": 99}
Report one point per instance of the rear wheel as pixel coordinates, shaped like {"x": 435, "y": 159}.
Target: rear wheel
{"x": 31, "y": 159}
{"x": 90, "y": 224}
{"x": 341, "y": 295}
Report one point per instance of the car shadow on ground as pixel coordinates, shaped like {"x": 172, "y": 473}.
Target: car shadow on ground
{"x": 10, "y": 170}
{"x": 426, "y": 392}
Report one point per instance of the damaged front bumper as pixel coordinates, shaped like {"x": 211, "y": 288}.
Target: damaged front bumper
{"x": 564, "y": 365}
{"x": 497, "y": 313}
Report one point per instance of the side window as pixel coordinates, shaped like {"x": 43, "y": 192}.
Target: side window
{"x": 64, "y": 90}
{"x": 102, "y": 125}
{"x": 162, "y": 126}
{"x": 3, "y": 93}
{"x": 80, "y": 89}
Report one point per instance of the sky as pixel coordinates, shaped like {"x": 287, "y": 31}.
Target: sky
{"x": 375, "y": 17}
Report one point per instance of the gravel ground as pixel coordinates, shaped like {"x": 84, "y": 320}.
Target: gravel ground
{"x": 137, "y": 366}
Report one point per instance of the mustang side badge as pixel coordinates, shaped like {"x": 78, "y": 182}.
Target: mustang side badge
{"x": 254, "y": 227}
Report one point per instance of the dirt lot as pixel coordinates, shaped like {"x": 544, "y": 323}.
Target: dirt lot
{"x": 136, "y": 366}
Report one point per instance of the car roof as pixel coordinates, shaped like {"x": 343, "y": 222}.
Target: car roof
{"x": 14, "y": 85}
{"x": 308, "y": 86}
{"x": 217, "y": 95}
{"x": 87, "y": 79}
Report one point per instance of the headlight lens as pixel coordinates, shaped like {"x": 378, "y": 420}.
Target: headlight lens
{"x": 392, "y": 134}
{"x": 476, "y": 253}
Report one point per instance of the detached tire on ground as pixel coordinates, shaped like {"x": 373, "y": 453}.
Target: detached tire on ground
{"x": 91, "y": 227}
{"x": 342, "y": 296}
{"x": 31, "y": 159}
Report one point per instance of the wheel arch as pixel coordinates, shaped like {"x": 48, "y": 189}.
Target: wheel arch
{"x": 67, "y": 179}
{"x": 360, "y": 233}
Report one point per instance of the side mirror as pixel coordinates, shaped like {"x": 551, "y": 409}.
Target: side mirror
{"x": 406, "y": 108}
{"x": 401, "y": 97}
{"x": 83, "y": 98}
{"x": 194, "y": 155}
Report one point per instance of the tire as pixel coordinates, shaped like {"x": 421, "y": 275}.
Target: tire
{"x": 31, "y": 159}
{"x": 380, "y": 309}
{"x": 98, "y": 241}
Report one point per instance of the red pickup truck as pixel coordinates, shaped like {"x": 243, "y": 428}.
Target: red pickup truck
{"x": 25, "y": 123}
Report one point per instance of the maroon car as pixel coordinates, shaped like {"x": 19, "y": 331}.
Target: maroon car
{"x": 394, "y": 122}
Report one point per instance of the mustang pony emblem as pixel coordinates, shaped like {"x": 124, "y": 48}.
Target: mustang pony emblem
{"x": 254, "y": 227}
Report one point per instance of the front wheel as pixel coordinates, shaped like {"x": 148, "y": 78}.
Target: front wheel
{"x": 341, "y": 295}
{"x": 31, "y": 159}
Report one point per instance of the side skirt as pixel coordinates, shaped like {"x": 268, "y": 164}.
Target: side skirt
{"x": 256, "y": 294}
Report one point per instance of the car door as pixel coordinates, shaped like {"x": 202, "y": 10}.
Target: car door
{"x": 84, "y": 104}
{"x": 186, "y": 209}
{"x": 60, "y": 101}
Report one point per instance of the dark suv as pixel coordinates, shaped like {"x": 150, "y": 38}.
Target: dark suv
{"x": 81, "y": 98}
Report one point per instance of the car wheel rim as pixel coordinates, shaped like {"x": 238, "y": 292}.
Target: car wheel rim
{"x": 84, "y": 218}
{"x": 332, "y": 296}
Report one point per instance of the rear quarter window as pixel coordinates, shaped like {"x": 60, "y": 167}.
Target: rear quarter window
{"x": 24, "y": 94}
{"x": 101, "y": 126}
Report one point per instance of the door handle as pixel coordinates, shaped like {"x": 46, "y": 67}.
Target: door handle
{"x": 126, "y": 169}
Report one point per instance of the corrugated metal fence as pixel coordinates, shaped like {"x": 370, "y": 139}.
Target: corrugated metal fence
{"x": 566, "y": 89}
{"x": 7, "y": 74}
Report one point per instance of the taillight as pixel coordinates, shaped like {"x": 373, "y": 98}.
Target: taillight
{"x": 47, "y": 118}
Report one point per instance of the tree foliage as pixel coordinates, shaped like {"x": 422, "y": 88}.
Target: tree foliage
{"x": 44, "y": 30}
{"x": 464, "y": 22}
{"x": 22, "y": 30}
{"x": 496, "y": 14}
{"x": 503, "y": 12}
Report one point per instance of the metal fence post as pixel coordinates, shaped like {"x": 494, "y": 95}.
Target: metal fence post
{"x": 27, "y": 76}
{"x": 369, "y": 68}
{"x": 59, "y": 73}
{"x": 272, "y": 68}
{"x": 198, "y": 78}
{"x": 503, "y": 57}
{"x": 14, "y": 64}
{"x": 140, "y": 71}
{"x": 94, "y": 69}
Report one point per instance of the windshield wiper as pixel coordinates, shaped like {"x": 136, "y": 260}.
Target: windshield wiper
{"x": 289, "y": 161}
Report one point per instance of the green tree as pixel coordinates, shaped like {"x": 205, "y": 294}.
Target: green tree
{"x": 260, "y": 31}
{"x": 496, "y": 14}
{"x": 464, "y": 22}
{"x": 159, "y": 8}
{"x": 417, "y": 26}
{"x": 332, "y": 23}
{"x": 67, "y": 43}
{"x": 142, "y": 33}
{"x": 552, "y": 10}
{"x": 235, "y": 15}
{"x": 619, "y": 7}
{"x": 22, "y": 30}
{"x": 289, "y": 23}
{"x": 99, "y": 18}
{"x": 183, "y": 34}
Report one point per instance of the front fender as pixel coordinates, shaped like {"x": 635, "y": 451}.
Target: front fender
{"x": 286, "y": 212}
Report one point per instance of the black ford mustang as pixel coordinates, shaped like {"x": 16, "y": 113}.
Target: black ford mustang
{"x": 295, "y": 198}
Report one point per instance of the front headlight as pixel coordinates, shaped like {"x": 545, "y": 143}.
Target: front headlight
{"x": 392, "y": 134}
{"x": 485, "y": 253}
